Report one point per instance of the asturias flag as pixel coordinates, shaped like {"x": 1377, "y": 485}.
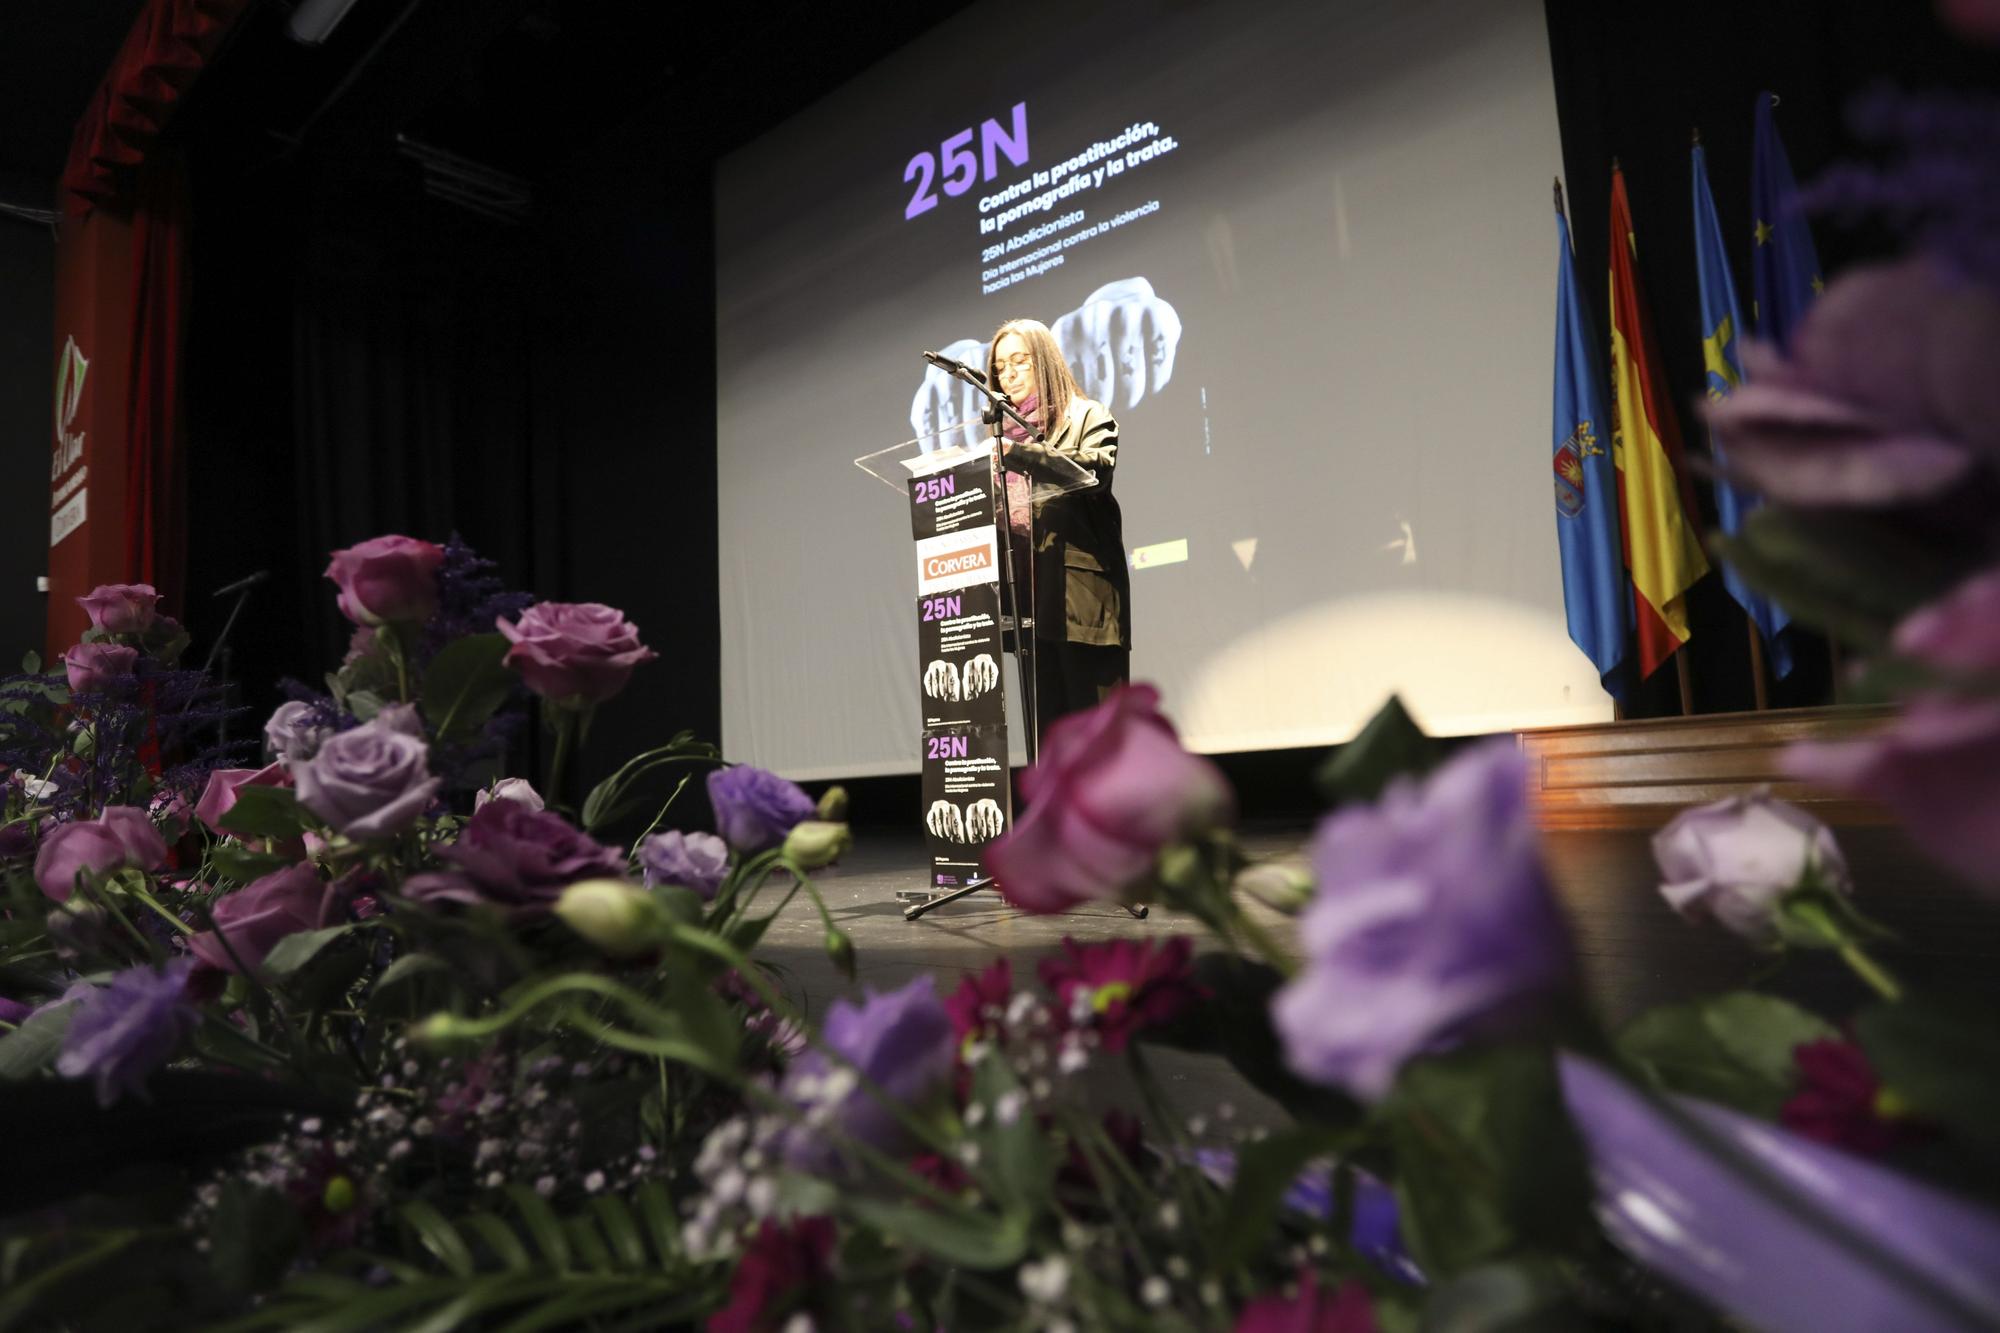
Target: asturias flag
{"x": 1661, "y": 548}
{"x": 1593, "y": 567}
{"x": 1721, "y": 337}
{"x": 1783, "y": 264}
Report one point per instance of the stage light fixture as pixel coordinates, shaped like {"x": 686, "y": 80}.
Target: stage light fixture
{"x": 313, "y": 21}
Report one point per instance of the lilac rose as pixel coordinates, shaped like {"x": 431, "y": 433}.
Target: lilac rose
{"x": 387, "y": 579}
{"x": 518, "y": 790}
{"x": 901, "y": 1041}
{"x": 574, "y": 653}
{"x": 1112, "y": 788}
{"x": 1888, "y": 396}
{"x": 510, "y": 856}
{"x": 94, "y": 668}
{"x": 698, "y": 861}
{"x": 371, "y": 782}
{"x": 1936, "y": 765}
{"x": 121, "y": 608}
{"x": 255, "y": 917}
{"x": 755, "y": 809}
{"x": 294, "y": 732}
{"x": 124, "y": 1031}
{"x": 120, "y": 837}
{"x": 1433, "y": 921}
{"x": 1734, "y": 859}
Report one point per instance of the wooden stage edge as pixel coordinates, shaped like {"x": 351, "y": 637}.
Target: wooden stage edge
{"x": 1629, "y": 775}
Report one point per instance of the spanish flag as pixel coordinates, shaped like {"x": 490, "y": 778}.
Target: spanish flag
{"x": 1662, "y": 550}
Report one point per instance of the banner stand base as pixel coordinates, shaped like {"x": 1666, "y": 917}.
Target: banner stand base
{"x": 919, "y": 901}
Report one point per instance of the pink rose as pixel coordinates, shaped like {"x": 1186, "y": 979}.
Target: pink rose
{"x": 262, "y": 912}
{"x": 574, "y": 652}
{"x": 96, "y": 667}
{"x": 517, "y": 790}
{"x": 1733, "y": 860}
{"x": 122, "y": 836}
{"x": 220, "y": 794}
{"x": 122, "y": 608}
{"x": 1112, "y": 789}
{"x": 387, "y": 579}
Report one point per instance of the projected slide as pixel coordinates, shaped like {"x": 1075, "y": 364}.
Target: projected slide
{"x": 1301, "y": 249}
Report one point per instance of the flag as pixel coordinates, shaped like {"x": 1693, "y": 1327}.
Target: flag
{"x": 1595, "y": 594}
{"x": 1783, "y": 264}
{"x": 1661, "y": 548}
{"x": 1721, "y": 339}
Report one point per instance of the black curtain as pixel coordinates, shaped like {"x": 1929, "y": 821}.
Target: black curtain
{"x": 1633, "y": 82}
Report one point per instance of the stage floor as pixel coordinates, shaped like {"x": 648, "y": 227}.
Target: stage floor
{"x": 1633, "y": 951}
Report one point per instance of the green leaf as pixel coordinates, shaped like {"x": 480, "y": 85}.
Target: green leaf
{"x": 658, "y": 1211}
{"x": 1488, "y": 1164}
{"x": 438, "y": 1236}
{"x": 500, "y": 1239}
{"x": 1264, "y": 1171}
{"x": 295, "y": 951}
{"x": 1390, "y": 745}
{"x": 31, "y": 663}
{"x": 543, "y": 1226}
{"x": 243, "y": 864}
{"x": 31, "y": 1047}
{"x": 1015, "y": 1156}
{"x": 1735, "y": 1049}
{"x": 465, "y": 685}
{"x": 589, "y": 1245}
{"x": 406, "y": 968}
{"x": 957, "y": 1236}
{"x": 365, "y": 704}
{"x": 265, "y": 812}
{"x": 1942, "y": 1060}
{"x": 615, "y": 1220}
{"x": 1848, "y": 574}
{"x": 253, "y": 1236}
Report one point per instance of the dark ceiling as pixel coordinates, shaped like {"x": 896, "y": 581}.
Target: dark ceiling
{"x": 521, "y": 85}
{"x": 56, "y": 51}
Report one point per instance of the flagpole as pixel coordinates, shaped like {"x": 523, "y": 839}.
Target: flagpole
{"x": 1686, "y": 675}
{"x": 1757, "y": 684}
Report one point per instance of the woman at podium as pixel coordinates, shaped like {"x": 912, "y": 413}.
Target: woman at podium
{"x": 1083, "y": 589}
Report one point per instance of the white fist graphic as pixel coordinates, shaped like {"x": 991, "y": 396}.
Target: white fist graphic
{"x": 945, "y": 821}
{"x": 940, "y": 680}
{"x": 983, "y": 820}
{"x": 982, "y": 675}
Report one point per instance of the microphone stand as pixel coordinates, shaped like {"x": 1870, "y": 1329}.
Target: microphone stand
{"x": 1001, "y": 408}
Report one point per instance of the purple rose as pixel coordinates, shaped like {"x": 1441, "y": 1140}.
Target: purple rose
{"x": 121, "y": 608}
{"x": 1346, "y": 1308}
{"x": 575, "y": 653}
{"x": 518, "y": 790}
{"x": 122, "y": 836}
{"x": 96, "y": 667}
{"x": 697, "y": 861}
{"x": 219, "y": 796}
{"x": 1734, "y": 859}
{"x": 124, "y": 1031}
{"x": 293, "y": 733}
{"x": 516, "y": 858}
{"x": 1937, "y": 764}
{"x": 900, "y": 1040}
{"x": 755, "y": 809}
{"x": 387, "y": 579}
{"x": 371, "y": 782}
{"x": 255, "y": 917}
{"x": 170, "y": 814}
{"x": 1888, "y": 397}
{"x": 1112, "y": 788}
{"x": 1433, "y": 921}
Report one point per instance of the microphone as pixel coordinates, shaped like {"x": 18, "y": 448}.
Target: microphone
{"x": 250, "y": 581}
{"x": 951, "y": 367}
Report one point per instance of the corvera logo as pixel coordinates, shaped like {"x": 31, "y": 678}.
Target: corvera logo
{"x": 71, "y": 367}
{"x": 968, "y": 561}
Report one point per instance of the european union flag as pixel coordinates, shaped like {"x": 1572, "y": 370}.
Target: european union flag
{"x": 1595, "y": 596}
{"x": 1721, "y": 337}
{"x": 1783, "y": 263}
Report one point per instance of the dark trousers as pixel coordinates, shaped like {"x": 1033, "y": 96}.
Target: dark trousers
{"x": 1070, "y": 677}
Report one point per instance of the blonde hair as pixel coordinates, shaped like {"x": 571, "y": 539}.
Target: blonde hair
{"x": 1055, "y": 387}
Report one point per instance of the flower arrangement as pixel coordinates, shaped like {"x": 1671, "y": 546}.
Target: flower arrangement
{"x": 376, "y": 1035}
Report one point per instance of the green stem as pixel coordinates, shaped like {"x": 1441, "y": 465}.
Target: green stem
{"x": 172, "y": 920}
{"x": 1263, "y": 943}
{"x": 1870, "y": 971}
{"x": 565, "y": 728}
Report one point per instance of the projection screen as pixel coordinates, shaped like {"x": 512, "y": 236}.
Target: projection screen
{"x": 1304, "y": 251}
